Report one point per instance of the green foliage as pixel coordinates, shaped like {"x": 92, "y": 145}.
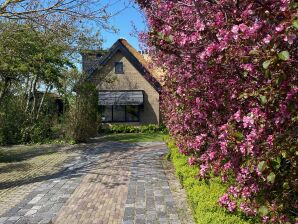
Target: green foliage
{"x": 284, "y": 55}
{"x": 295, "y": 23}
{"x": 82, "y": 119}
{"x": 33, "y": 63}
{"x": 202, "y": 196}
{"x": 18, "y": 127}
{"x": 125, "y": 128}
{"x": 266, "y": 64}
{"x": 134, "y": 137}
{"x": 27, "y": 54}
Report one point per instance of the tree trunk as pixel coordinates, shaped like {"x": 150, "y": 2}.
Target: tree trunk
{"x": 34, "y": 97}
{"x": 29, "y": 90}
{"x": 41, "y": 102}
{"x": 4, "y": 90}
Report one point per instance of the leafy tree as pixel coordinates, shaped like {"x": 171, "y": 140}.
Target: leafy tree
{"x": 231, "y": 95}
{"x": 82, "y": 120}
{"x": 30, "y": 58}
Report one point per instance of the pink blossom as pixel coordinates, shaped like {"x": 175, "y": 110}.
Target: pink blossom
{"x": 237, "y": 116}
{"x": 232, "y": 206}
{"x": 179, "y": 90}
{"x": 248, "y": 121}
{"x": 200, "y": 26}
{"x": 279, "y": 28}
{"x": 243, "y": 27}
{"x": 199, "y": 140}
{"x": 203, "y": 169}
{"x": 235, "y": 29}
{"x": 267, "y": 39}
{"x": 270, "y": 140}
{"x": 247, "y": 67}
{"x": 223, "y": 200}
{"x": 234, "y": 191}
{"x": 191, "y": 161}
{"x": 290, "y": 38}
{"x": 214, "y": 86}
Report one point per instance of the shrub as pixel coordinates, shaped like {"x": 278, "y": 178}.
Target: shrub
{"x": 82, "y": 119}
{"x": 18, "y": 126}
{"x": 126, "y": 128}
{"x": 202, "y": 196}
{"x": 12, "y": 118}
{"x": 230, "y": 95}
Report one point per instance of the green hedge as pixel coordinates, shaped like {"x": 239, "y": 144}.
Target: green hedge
{"x": 125, "y": 128}
{"x": 202, "y": 196}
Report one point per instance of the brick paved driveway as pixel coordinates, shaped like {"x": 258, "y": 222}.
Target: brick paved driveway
{"x": 111, "y": 182}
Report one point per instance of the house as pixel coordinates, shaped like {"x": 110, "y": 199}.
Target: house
{"x": 132, "y": 93}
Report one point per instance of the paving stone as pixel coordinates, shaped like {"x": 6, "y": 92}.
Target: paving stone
{"x": 110, "y": 183}
{"x": 128, "y": 222}
{"x": 152, "y": 188}
{"x": 30, "y": 212}
{"x": 140, "y": 221}
{"x": 3, "y": 219}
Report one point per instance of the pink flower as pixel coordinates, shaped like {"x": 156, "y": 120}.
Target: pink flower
{"x": 270, "y": 140}
{"x": 246, "y": 193}
{"x": 247, "y": 67}
{"x": 179, "y": 90}
{"x": 248, "y": 121}
{"x": 243, "y": 27}
{"x": 232, "y": 206}
{"x": 279, "y": 28}
{"x": 265, "y": 219}
{"x": 200, "y": 26}
{"x": 237, "y": 116}
{"x": 290, "y": 38}
{"x": 235, "y": 29}
{"x": 210, "y": 49}
{"x": 198, "y": 101}
{"x": 234, "y": 191}
{"x": 203, "y": 169}
{"x": 246, "y": 209}
{"x": 191, "y": 161}
{"x": 226, "y": 202}
{"x": 223, "y": 200}
{"x": 199, "y": 140}
{"x": 267, "y": 39}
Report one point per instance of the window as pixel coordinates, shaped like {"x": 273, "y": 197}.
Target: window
{"x": 132, "y": 113}
{"x": 120, "y": 113}
{"x": 106, "y": 113}
{"x": 119, "y": 68}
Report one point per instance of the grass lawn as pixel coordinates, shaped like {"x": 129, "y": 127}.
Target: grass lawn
{"x": 134, "y": 137}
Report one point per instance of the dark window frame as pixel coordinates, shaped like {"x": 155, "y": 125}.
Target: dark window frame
{"x": 119, "y": 70}
{"x": 101, "y": 108}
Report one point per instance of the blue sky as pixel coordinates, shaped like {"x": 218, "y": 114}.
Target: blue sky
{"x": 124, "y": 22}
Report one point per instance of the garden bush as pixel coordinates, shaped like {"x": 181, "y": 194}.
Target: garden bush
{"x": 126, "y": 128}
{"x": 18, "y": 127}
{"x": 82, "y": 118}
{"x": 230, "y": 95}
{"x": 202, "y": 196}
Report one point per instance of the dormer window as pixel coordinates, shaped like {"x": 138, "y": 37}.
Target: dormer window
{"x": 119, "y": 67}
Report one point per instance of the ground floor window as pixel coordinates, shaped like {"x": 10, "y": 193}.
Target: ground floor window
{"x": 120, "y": 113}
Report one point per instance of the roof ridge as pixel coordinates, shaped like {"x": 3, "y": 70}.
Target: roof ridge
{"x": 139, "y": 57}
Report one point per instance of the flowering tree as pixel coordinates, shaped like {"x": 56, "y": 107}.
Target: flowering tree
{"x": 231, "y": 95}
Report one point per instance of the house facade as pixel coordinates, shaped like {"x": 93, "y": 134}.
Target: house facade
{"x": 128, "y": 91}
